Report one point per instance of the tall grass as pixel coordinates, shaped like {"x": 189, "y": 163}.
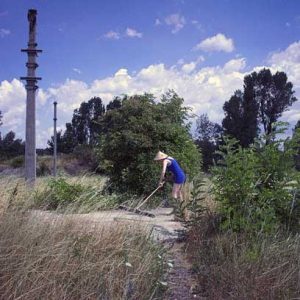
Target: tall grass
{"x": 67, "y": 261}
{"x": 72, "y": 194}
{"x": 64, "y": 258}
{"x": 239, "y": 266}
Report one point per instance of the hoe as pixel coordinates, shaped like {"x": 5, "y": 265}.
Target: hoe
{"x": 137, "y": 209}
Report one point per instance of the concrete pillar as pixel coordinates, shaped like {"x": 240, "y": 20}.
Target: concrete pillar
{"x": 31, "y": 87}
{"x": 55, "y": 141}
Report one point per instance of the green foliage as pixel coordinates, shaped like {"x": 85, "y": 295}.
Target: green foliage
{"x": 10, "y": 146}
{"x": 84, "y": 128}
{"x": 196, "y": 202}
{"x": 73, "y": 196}
{"x": 17, "y": 162}
{"x": 255, "y": 187}
{"x": 60, "y": 193}
{"x": 265, "y": 97}
{"x": 208, "y": 137}
{"x": 136, "y": 131}
{"x": 43, "y": 169}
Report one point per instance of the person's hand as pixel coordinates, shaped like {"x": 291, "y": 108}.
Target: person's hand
{"x": 161, "y": 184}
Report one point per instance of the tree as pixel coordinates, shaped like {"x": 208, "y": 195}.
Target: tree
{"x": 85, "y": 124}
{"x": 208, "y": 139}
{"x": 1, "y": 116}
{"x": 114, "y": 104}
{"x": 10, "y": 146}
{"x": 296, "y": 131}
{"x": 263, "y": 101}
{"x": 233, "y": 122}
{"x": 69, "y": 139}
{"x": 273, "y": 94}
{"x": 136, "y": 131}
{"x": 59, "y": 143}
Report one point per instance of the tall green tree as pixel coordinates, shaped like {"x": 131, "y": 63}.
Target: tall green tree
{"x": 59, "y": 143}
{"x": 208, "y": 137}
{"x": 259, "y": 106}
{"x": 1, "y": 116}
{"x": 10, "y": 146}
{"x": 114, "y": 104}
{"x": 236, "y": 121}
{"x": 85, "y": 124}
{"x": 273, "y": 95}
{"x": 136, "y": 131}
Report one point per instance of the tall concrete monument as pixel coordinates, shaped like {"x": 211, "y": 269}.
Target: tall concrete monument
{"x": 31, "y": 87}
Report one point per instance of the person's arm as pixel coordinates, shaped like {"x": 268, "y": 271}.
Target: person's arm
{"x": 163, "y": 172}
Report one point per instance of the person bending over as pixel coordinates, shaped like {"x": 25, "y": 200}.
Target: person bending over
{"x": 170, "y": 164}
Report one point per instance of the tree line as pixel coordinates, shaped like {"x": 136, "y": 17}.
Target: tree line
{"x": 10, "y": 146}
{"x": 248, "y": 113}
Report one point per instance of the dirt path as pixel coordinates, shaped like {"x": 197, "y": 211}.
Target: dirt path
{"x": 163, "y": 229}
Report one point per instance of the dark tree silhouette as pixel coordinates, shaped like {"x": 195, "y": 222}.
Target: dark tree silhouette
{"x": 264, "y": 99}
{"x": 114, "y": 104}
{"x": 273, "y": 95}
{"x": 208, "y": 136}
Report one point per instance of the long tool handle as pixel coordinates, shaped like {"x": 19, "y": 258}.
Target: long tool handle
{"x": 148, "y": 197}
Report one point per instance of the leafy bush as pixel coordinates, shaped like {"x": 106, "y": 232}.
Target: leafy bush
{"x": 43, "y": 169}
{"x": 134, "y": 133}
{"x": 255, "y": 187}
{"x": 17, "y": 162}
{"x": 86, "y": 155}
{"x": 73, "y": 196}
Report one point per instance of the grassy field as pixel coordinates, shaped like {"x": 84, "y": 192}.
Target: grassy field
{"x": 236, "y": 265}
{"x": 62, "y": 260}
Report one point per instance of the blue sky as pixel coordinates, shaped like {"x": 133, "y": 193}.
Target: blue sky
{"x": 201, "y": 49}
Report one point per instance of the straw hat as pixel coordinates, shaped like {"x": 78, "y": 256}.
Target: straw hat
{"x": 160, "y": 155}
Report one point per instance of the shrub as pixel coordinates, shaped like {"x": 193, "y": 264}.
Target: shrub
{"x": 134, "y": 133}
{"x": 60, "y": 193}
{"x": 17, "y": 162}
{"x": 255, "y": 186}
{"x": 43, "y": 169}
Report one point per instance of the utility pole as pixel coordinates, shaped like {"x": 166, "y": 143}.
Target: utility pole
{"x": 31, "y": 87}
{"x": 54, "y": 141}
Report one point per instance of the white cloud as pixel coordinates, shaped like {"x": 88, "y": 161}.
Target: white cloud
{"x": 235, "y": 65}
{"x": 205, "y": 89}
{"x": 4, "y": 32}
{"x": 157, "y": 22}
{"x": 218, "y": 42}
{"x": 112, "y": 35}
{"x": 76, "y": 70}
{"x": 197, "y": 25}
{"x": 133, "y": 33}
{"x": 176, "y": 21}
{"x": 12, "y": 103}
{"x": 190, "y": 67}
{"x": 288, "y": 61}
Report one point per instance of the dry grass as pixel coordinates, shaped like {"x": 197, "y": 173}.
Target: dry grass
{"x": 14, "y": 192}
{"x": 236, "y": 266}
{"x": 65, "y": 259}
